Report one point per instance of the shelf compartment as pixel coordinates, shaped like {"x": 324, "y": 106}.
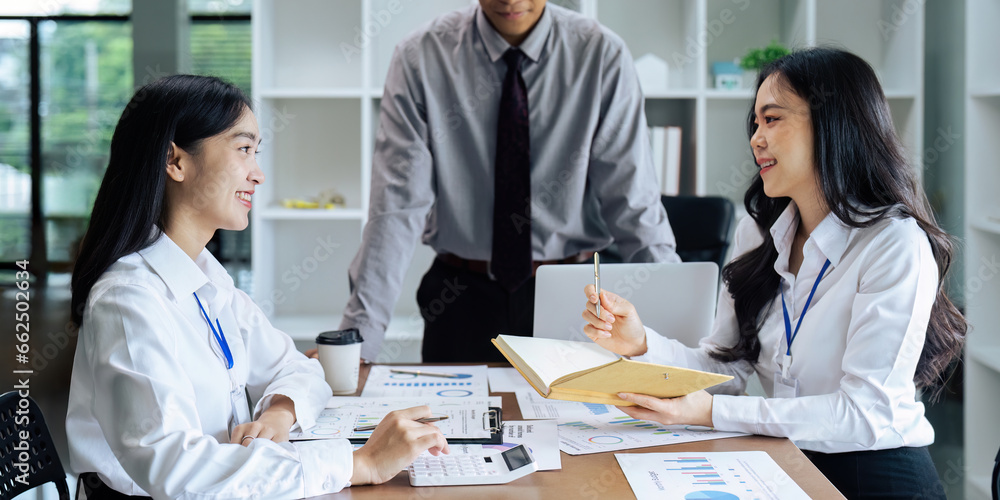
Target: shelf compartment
{"x": 986, "y": 356}
{"x": 909, "y": 128}
{"x": 678, "y": 113}
{"x": 983, "y": 38}
{"x": 988, "y": 223}
{"x": 984, "y": 91}
{"x": 886, "y": 33}
{"x": 309, "y": 44}
{"x": 752, "y": 24}
{"x": 729, "y": 163}
{"x": 397, "y": 20}
{"x": 983, "y": 484}
{"x": 982, "y": 129}
{"x": 668, "y": 30}
{"x": 308, "y": 270}
{"x": 981, "y": 431}
{"x": 311, "y": 145}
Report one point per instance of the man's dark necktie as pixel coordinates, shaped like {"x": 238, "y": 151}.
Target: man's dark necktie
{"x": 511, "y": 259}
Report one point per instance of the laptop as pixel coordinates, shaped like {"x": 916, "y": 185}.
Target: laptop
{"x": 677, "y": 300}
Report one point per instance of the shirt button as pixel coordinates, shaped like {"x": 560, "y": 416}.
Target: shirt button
{"x": 328, "y": 485}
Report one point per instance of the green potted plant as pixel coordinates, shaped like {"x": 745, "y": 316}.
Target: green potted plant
{"x": 755, "y": 59}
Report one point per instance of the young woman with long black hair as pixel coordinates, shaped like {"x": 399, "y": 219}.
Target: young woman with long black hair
{"x": 168, "y": 347}
{"x": 835, "y": 294}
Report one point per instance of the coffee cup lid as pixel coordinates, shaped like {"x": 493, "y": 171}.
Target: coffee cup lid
{"x": 340, "y": 337}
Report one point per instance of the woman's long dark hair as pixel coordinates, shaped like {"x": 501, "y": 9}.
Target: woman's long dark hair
{"x": 864, "y": 176}
{"x": 129, "y": 209}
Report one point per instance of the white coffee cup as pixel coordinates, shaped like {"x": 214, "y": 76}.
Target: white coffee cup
{"x": 340, "y": 355}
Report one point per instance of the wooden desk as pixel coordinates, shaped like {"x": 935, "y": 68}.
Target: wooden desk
{"x": 593, "y": 476}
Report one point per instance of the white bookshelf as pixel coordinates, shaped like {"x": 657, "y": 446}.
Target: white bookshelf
{"x": 982, "y": 244}
{"x": 318, "y": 112}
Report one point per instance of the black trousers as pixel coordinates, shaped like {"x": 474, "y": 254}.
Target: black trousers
{"x": 897, "y": 473}
{"x": 463, "y": 310}
{"x": 93, "y": 488}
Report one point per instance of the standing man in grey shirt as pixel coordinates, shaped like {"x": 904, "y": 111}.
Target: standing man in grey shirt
{"x": 512, "y": 134}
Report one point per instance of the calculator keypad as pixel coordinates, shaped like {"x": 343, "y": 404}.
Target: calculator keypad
{"x": 451, "y": 465}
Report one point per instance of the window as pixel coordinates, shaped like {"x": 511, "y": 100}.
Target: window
{"x": 79, "y": 53}
{"x": 65, "y": 66}
{"x": 86, "y": 80}
{"x": 15, "y": 155}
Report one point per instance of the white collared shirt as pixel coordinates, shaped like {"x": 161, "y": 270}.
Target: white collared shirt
{"x": 149, "y": 402}
{"x": 857, "y": 349}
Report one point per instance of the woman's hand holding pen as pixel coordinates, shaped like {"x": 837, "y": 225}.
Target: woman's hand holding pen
{"x": 394, "y": 444}
{"x": 619, "y": 328}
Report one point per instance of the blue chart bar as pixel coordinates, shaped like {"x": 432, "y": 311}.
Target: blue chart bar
{"x": 596, "y": 408}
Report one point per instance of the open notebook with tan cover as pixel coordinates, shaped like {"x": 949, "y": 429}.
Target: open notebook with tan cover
{"x": 586, "y": 372}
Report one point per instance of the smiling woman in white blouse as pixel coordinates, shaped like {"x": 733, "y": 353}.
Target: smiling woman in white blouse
{"x": 168, "y": 347}
{"x": 834, "y": 296}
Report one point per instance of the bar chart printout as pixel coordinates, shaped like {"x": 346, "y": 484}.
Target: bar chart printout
{"x": 707, "y": 476}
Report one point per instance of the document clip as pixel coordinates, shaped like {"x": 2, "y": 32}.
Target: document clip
{"x": 493, "y": 420}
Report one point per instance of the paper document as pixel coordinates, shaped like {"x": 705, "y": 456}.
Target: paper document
{"x": 471, "y": 382}
{"x": 342, "y": 415}
{"x": 613, "y": 433}
{"x": 507, "y": 380}
{"x": 534, "y": 406}
{"x": 541, "y": 437}
{"x": 707, "y": 476}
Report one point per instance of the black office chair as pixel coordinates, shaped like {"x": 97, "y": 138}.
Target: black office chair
{"x": 702, "y": 225}
{"x": 42, "y": 461}
{"x": 996, "y": 477}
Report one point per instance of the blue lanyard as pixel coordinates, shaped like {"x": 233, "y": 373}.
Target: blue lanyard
{"x": 219, "y": 335}
{"x": 789, "y": 335}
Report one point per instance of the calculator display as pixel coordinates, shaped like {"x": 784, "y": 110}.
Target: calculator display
{"x": 516, "y": 457}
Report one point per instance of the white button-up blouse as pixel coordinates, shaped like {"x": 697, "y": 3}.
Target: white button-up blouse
{"x": 149, "y": 403}
{"x": 856, "y": 352}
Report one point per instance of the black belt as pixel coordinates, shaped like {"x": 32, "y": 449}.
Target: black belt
{"x": 95, "y": 489}
{"x": 483, "y": 266}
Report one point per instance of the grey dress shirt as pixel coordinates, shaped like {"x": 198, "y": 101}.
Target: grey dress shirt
{"x": 592, "y": 179}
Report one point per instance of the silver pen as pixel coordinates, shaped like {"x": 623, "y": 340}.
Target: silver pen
{"x": 597, "y": 281}
{"x": 365, "y": 428}
{"x": 426, "y": 374}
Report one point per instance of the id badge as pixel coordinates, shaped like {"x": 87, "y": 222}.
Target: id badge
{"x": 785, "y": 387}
{"x": 238, "y": 400}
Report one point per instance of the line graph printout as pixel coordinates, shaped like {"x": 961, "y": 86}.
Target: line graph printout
{"x": 707, "y": 476}
{"x": 344, "y": 414}
{"x": 534, "y": 406}
{"x": 613, "y": 433}
{"x": 469, "y": 382}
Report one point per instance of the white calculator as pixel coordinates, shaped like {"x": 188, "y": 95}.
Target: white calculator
{"x": 456, "y": 470}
